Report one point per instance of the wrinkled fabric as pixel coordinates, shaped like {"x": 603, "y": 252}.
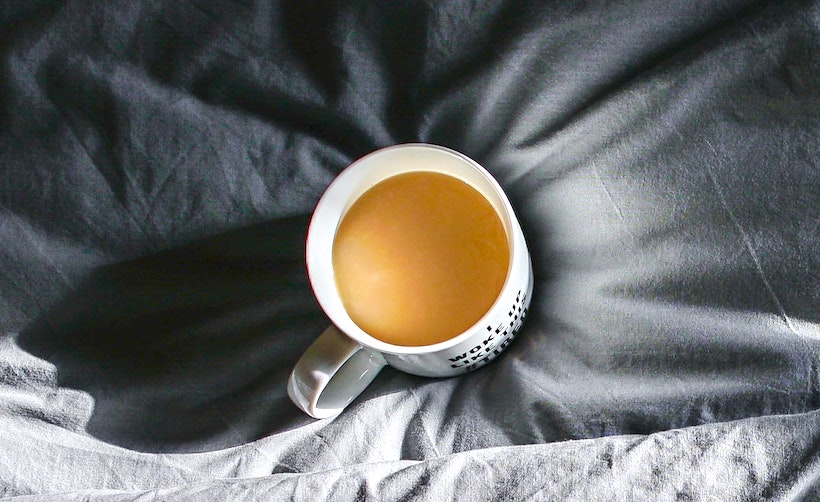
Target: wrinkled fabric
{"x": 159, "y": 162}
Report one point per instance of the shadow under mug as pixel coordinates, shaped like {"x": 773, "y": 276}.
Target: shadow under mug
{"x": 344, "y": 360}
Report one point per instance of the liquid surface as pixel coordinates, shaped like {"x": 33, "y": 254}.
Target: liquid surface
{"x": 419, "y": 258}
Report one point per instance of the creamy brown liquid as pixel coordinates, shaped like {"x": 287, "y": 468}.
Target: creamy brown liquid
{"x": 419, "y": 258}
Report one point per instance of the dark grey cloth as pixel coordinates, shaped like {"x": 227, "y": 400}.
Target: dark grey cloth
{"x": 159, "y": 162}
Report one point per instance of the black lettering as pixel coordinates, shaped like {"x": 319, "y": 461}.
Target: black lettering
{"x": 458, "y": 357}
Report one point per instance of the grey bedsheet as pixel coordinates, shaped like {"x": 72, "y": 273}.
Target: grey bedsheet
{"x": 159, "y": 162}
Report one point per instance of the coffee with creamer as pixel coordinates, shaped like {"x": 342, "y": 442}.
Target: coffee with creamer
{"x": 419, "y": 258}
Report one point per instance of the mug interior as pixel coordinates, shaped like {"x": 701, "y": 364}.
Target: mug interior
{"x": 354, "y": 181}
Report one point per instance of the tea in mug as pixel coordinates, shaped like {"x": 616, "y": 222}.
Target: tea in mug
{"x": 419, "y": 258}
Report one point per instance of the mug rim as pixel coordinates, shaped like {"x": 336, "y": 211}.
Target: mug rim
{"x": 314, "y": 250}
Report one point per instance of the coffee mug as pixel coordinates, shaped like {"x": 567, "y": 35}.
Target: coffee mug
{"x": 345, "y": 359}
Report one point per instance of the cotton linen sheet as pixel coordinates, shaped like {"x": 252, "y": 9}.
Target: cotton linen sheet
{"x": 159, "y": 162}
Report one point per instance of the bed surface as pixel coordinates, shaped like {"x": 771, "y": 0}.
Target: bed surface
{"x": 159, "y": 162}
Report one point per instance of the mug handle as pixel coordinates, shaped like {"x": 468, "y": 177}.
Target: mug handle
{"x": 331, "y": 373}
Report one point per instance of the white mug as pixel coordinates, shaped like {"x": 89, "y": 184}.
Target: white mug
{"x": 344, "y": 360}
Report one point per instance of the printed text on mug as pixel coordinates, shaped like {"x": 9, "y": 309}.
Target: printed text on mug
{"x": 497, "y": 338}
